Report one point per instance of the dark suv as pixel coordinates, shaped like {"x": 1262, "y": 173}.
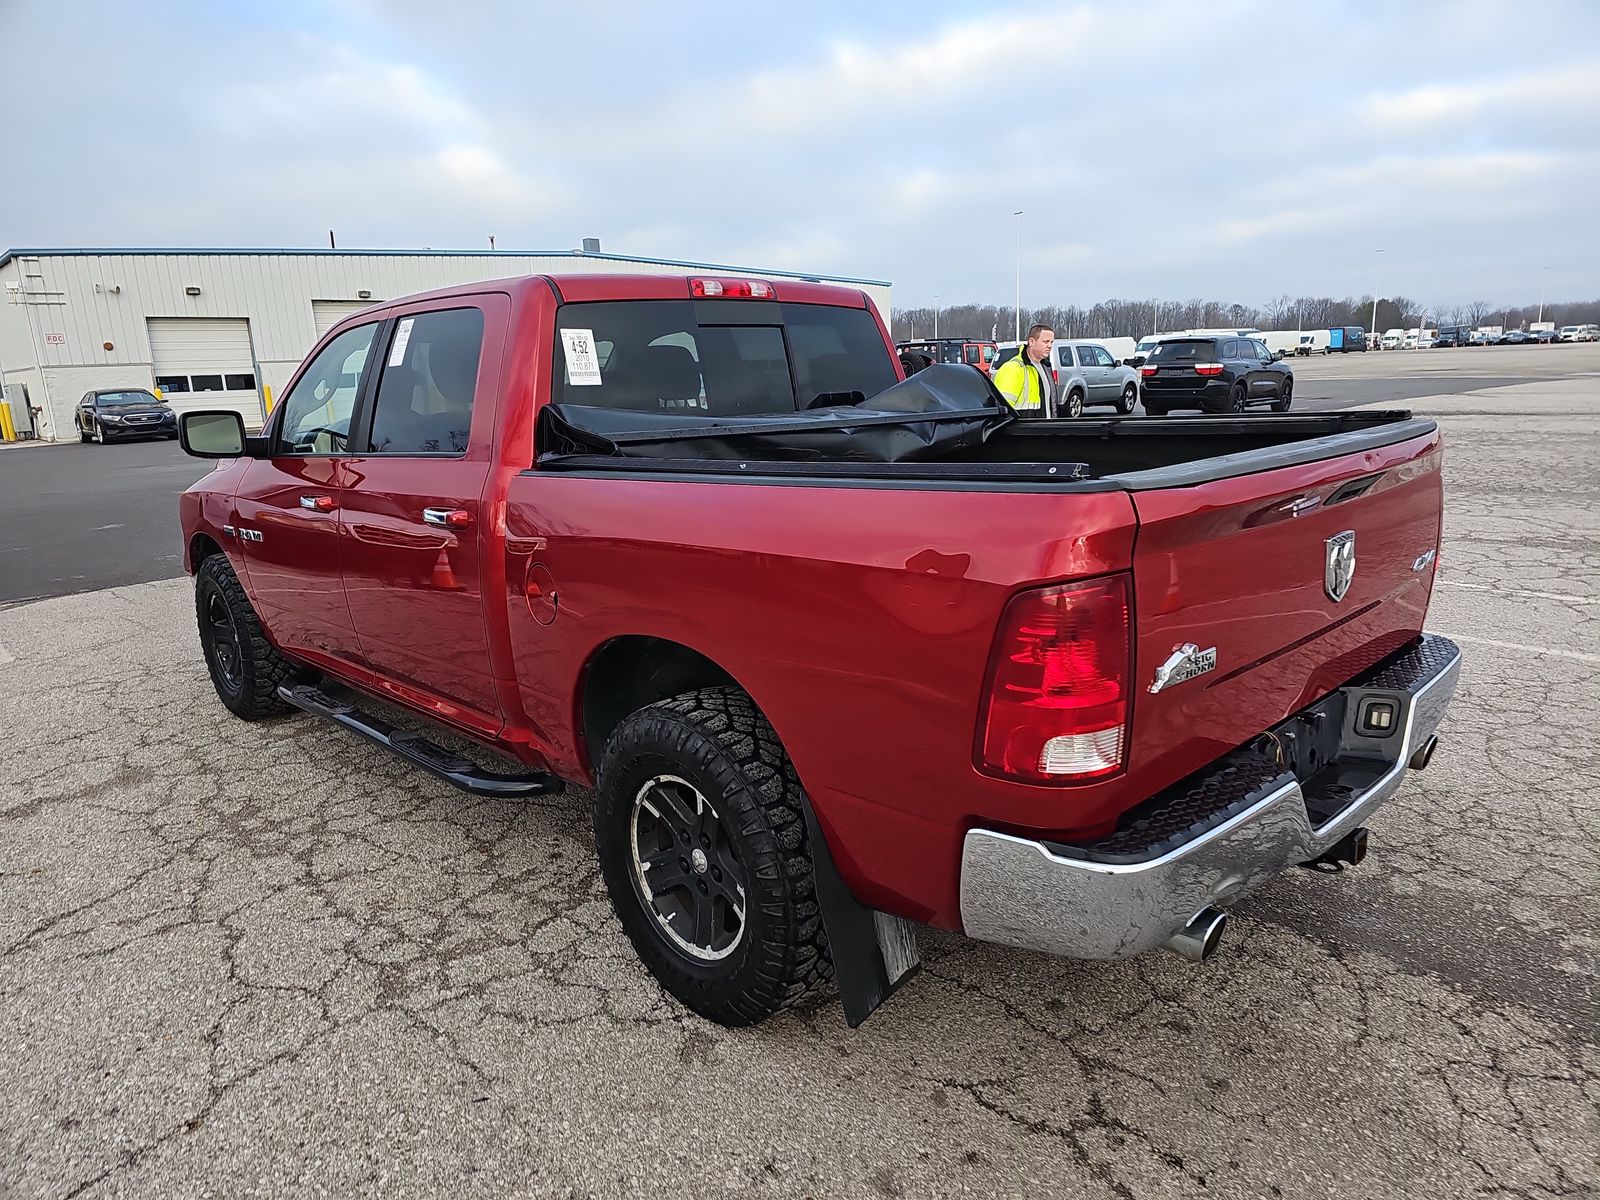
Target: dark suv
{"x": 1215, "y": 374}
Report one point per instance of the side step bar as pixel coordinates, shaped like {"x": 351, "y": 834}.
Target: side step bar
{"x": 453, "y": 768}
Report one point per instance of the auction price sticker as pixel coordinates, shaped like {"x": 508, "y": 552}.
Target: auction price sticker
{"x": 583, "y": 364}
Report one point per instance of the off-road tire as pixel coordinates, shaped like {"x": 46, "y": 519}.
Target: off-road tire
{"x": 718, "y": 741}
{"x": 262, "y": 669}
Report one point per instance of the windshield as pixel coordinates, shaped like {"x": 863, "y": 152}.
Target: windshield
{"x": 120, "y": 399}
{"x": 718, "y": 357}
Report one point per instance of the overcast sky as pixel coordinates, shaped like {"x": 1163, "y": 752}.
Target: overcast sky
{"x": 1229, "y": 150}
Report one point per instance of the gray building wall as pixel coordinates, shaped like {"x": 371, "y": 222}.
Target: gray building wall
{"x": 59, "y": 309}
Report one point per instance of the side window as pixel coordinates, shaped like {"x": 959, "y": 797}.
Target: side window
{"x": 424, "y": 403}
{"x": 1262, "y": 352}
{"x": 316, "y": 412}
{"x": 1230, "y": 350}
{"x": 1101, "y": 358}
{"x": 973, "y": 354}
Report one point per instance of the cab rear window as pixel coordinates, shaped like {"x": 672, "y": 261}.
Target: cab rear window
{"x": 717, "y": 357}
{"x": 1184, "y": 352}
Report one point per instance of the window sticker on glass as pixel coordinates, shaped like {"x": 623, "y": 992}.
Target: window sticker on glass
{"x": 583, "y": 365}
{"x": 402, "y": 338}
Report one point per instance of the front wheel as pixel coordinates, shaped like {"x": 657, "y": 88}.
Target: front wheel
{"x": 1285, "y": 397}
{"x": 245, "y": 668}
{"x": 1129, "y": 395}
{"x": 699, "y": 820}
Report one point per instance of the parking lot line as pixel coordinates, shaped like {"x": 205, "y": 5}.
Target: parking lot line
{"x": 1576, "y": 655}
{"x": 1484, "y": 587}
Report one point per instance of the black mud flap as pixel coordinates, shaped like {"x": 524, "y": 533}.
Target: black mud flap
{"x": 873, "y": 952}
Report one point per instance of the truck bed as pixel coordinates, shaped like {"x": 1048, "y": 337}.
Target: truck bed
{"x": 1088, "y": 454}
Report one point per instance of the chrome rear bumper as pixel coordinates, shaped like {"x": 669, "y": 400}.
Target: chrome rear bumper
{"x": 1254, "y": 822}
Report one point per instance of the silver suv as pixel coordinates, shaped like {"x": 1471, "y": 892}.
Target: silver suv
{"x": 1088, "y": 374}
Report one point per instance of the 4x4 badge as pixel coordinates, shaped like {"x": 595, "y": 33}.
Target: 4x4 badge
{"x": 1340, "y": 566}
{"x": 1187, "y": 661}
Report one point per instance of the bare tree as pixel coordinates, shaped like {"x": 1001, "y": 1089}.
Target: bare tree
{"x": 1280, "y": 311}
{"x": 1477, "y": 310}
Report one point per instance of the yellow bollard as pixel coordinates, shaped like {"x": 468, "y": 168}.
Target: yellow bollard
{"x": 266, "y": 390}
{"x": 7, "y": 432}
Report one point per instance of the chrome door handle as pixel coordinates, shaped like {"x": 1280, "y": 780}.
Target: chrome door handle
{"x": 318, "y": 503}
{"x": 447, "y": 518}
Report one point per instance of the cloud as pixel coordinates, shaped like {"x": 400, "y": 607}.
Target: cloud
{"x": 834, "y": 137}
{"x": 1536, "y": 94}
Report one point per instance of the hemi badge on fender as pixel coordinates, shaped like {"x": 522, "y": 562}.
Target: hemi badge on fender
{"x": 1424, "y": 560}
{"x": 1187, "y": 661}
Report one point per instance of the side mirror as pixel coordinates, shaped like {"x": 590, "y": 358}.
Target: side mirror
{"x": 212, "y": 434}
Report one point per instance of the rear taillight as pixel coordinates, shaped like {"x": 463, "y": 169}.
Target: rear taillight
{"x": 1147, "y": 372}
{"x": 748, "y": 289}
{"x": 1208, "y": 368}
{"x": 1057, "y": 704}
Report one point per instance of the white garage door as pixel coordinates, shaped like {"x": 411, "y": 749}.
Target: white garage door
{"x": 205, "y": 362}
{"x": 328, "y": 313}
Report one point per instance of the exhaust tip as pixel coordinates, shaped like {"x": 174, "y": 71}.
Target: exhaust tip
{"x": 1198, "y": 940}
{"x": 1424, "y": 754}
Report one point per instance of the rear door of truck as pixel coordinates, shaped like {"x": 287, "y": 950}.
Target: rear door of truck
{"x": 1257, "y": 569}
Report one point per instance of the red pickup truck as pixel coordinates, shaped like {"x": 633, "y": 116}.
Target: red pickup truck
{"x": 839, "y": 652}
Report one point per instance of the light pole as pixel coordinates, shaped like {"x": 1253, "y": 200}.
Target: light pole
{"x": 1018, "y": 216}
{"x": 1544, "y": 285}
{"x": 936, "y": 316}
{"x": 1375, "y": 278}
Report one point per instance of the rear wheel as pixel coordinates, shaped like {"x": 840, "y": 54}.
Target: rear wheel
{"x": 1129, "y": 395}
{"x": 245, "y": 668}
{"x": 1074, "y": 403}
{"x": 1285, "y": 397}
{"x": 1238, "y": 399}
{"x": 700, "y": 825}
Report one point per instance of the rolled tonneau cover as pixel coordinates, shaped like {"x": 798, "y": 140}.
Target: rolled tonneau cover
{"x": 946, "y": 408}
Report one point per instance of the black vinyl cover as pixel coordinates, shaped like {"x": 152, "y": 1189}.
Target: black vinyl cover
{"x": 946, "y": 408}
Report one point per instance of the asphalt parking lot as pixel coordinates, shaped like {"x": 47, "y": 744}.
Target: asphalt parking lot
{"x": 267, "y": 959}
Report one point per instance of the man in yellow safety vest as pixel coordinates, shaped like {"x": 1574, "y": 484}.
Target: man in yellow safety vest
{"x": 1026, "y": 380}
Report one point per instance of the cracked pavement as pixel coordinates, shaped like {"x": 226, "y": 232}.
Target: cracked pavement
{"x": 273, "y": 959}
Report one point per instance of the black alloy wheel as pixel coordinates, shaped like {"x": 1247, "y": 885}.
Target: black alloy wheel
{"x": 222, "y": 640}
{"x": 686, "y": 872}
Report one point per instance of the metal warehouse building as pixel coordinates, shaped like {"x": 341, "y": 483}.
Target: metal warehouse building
{"x": 219, "y": 328}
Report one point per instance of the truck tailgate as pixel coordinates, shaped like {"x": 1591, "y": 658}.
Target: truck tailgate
{"x": 1243, "y": 566}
